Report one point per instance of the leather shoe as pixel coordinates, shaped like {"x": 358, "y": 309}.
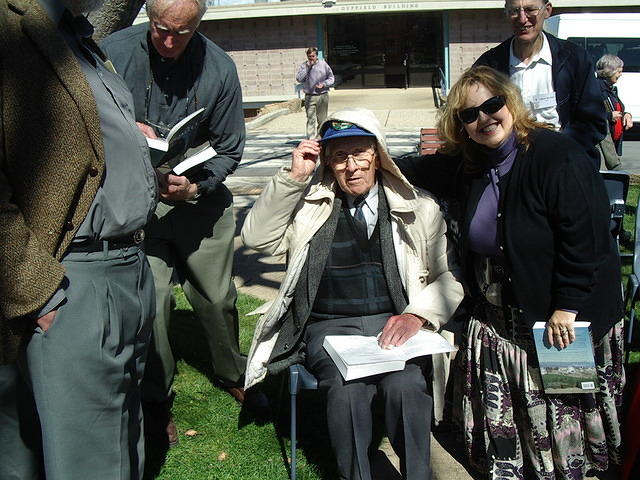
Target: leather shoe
{"x": 237, "y": 393}
{"x": 172, "y": 433}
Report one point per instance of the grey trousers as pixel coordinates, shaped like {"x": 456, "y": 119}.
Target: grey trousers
{"x": 20, "y": 451}
{"x": 407, "y": 405}
{"x": 196, "y": 240}
{"x": 316, "y": 107}
{"x": 84, "y": 374}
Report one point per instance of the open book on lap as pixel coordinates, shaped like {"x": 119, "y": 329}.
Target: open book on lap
{"x": 357, "y": 356}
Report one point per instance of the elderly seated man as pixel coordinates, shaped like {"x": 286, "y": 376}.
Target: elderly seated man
{"x": 367, "y": 255}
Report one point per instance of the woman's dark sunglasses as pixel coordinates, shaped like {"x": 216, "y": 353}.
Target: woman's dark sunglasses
{"x": 470, "y": 115}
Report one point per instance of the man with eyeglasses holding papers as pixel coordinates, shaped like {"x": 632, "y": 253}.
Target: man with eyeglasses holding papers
{"x": 173, "y": 71}
{"x": 367, "y": 255}
{"x": 556, "y": 77}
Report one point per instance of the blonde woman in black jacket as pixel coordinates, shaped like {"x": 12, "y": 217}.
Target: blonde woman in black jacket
{"x": 530, "y": 217}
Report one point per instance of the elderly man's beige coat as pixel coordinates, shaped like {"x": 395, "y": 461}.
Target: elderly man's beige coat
{"x": 288, "y": 214}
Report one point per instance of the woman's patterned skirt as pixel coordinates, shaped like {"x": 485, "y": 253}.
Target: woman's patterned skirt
{"x": 513, "y": 430}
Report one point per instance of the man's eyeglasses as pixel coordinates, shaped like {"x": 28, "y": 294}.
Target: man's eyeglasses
{"x": 340, "y": 160}
{"x": 514, "y": 12}
{"x": 470, "y": 115}
{"x": 167, "y": 31}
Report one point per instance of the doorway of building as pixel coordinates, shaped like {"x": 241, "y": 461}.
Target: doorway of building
{"x": 376, "y": 51}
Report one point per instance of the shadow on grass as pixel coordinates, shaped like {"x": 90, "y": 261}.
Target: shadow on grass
{"x": 312, "y": 435}
{"x": 189, "y": 344}
{"x": 256, "y": 269}
{"x": 314, "y": 452}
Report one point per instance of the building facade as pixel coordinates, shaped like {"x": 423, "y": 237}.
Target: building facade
{"x": 368, "y": 43}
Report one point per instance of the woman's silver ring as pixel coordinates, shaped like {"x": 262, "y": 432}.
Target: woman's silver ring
{"x": 564, "y": 331}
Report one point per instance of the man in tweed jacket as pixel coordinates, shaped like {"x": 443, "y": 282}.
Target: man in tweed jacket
{"x": 76, "y": 296}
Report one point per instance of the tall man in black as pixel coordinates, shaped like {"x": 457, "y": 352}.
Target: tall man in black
{"x": 172, "y": 71}
{"x": 556, "y": 77}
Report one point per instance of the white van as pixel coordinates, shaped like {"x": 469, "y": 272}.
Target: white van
{"x": 601, "y": 33}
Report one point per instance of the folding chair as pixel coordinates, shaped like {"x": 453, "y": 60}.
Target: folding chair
{"x": 617, "y": 185}
{"x": 299, "y": 379}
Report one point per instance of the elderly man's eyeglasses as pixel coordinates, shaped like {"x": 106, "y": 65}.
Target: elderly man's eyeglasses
{"x": 514, "y": 12}
{"x": 470, "y": 115}
{"x": 167, "y": 31}
{"x": 340, "y": 160}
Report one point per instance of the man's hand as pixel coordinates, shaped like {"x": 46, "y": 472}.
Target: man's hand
{"x": 303, "y": 160}
{"x": 560, "y": 330}
{"x": 147, "y": 130}
{"x": 320, "y": 85}
{"x": 46, "y": 320}
{"x": 173, "y": 187}
{"x": 627, "y": 121}
{"x": 399, "y": 329}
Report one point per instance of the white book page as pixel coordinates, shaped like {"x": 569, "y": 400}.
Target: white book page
{"x": 158, "y": 144}
{"x": 425, "y": 342}
{"x": 193, "y": 160}
{"x": 357, "y": 349}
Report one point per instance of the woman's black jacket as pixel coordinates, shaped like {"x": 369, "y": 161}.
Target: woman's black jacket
{"x": 553, "y": 227}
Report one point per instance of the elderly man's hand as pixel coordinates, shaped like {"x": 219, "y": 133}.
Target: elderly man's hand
{"x": 399, "y": 329}
{"x": 147, "y": 130}
{"x": 174, "y": 187}
{"x": 303, "y": 160}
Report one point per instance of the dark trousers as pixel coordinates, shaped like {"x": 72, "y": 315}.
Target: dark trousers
{"x": 406, "y": 404}
{"x": 196, "y": 239}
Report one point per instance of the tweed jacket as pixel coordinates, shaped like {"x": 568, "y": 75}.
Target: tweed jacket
{"x": 51, "y": 162}
{"x": 288, "y": 214}
{"x": 579, "y": 103}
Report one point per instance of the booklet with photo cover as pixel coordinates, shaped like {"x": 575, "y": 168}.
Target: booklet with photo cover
{"x": 358, "y": 356}
{"x": 571, "y": 370}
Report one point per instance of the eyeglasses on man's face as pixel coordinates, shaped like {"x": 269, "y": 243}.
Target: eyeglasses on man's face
{"x": 361, "y": 158}
{"x": 529, "y": 11}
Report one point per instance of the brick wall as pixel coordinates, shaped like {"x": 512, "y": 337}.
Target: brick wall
{"x": 471, "y": 33}
{"x": 267, "y": 51}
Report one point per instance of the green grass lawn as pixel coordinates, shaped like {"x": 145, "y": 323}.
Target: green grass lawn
{"x": 227, "y": 442}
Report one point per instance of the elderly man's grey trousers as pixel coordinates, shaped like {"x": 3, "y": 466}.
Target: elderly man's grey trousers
{"x": 403, "y": 394}
{"x": 85, "y": 371}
